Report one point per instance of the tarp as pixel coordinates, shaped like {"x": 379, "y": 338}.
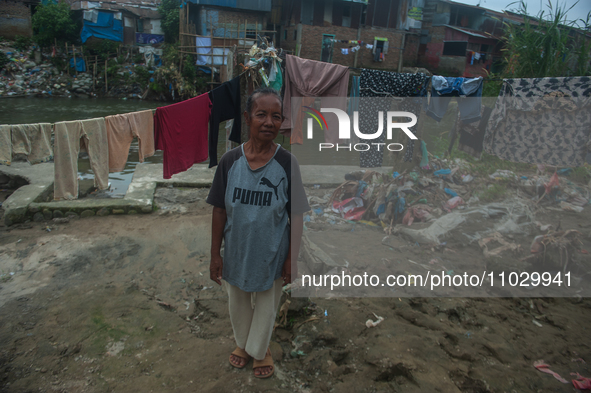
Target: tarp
{"x": 204, "y": 48}
{"x": 107, "y": 27}
{"x": 144, "y": 38}
{"x": 80, "y": 64}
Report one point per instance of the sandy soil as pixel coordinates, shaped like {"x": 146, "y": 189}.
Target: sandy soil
{"x": 124, "y": 304}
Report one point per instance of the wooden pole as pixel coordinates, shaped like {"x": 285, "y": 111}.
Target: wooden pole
{"x": 68, "y": 60}
{"x": 74, "y": 53}
{"x": 244, "y": 42}
{"x": 93, "y": 76}
{"x": 106, "y": 79}
{"x": 211, "y": 43}
{"x": 401, "y": 53}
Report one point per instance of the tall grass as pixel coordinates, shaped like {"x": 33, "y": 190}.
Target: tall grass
{"x": 546, "y": 45}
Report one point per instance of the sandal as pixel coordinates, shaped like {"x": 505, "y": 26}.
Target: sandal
{"x": 241, "y": 353}
{"x": 266, "y": 362}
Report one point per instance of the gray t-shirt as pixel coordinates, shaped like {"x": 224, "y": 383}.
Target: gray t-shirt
{"x": 257, "y": 204}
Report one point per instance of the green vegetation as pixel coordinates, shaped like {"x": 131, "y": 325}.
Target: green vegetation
{"x": 169, "y": 9}
{"x": 54, "y": 22}
{"x": 22, "y": 43}
{"x": 3, "y": 60}
{"x": 493, "y": 192}
{"x": 101, "y": 48}
{"x": 547, "y": 45}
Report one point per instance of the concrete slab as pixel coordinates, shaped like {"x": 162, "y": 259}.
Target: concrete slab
{"x": 40, "y": 178}
{"x": 28, "y": 200}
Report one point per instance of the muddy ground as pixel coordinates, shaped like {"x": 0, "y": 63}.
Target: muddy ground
{"x": 124, "y": 304}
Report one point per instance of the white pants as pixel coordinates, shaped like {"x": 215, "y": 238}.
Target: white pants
{"x": 253, "y": 317}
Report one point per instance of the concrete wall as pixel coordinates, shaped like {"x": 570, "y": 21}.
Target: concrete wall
{"x": 15, "y": 19}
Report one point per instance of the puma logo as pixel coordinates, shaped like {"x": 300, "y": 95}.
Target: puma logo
{"x": 267, "y": 182}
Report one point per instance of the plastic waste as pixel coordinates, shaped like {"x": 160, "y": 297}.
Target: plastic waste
{"x": 467, "y": 178}
{"x": 453, "y": 203}
{"x": 450, "y": 192}
{"x": 442, "y": 172}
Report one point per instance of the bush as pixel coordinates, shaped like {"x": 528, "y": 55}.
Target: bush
{"x": 169, "y": 9}
{"x": 101, "y": 48}
{"x": 22, "y": 43}
{"x": 142, "y": 76}
{"x": 3, "y": 59}
{"x": 54, "y": 22}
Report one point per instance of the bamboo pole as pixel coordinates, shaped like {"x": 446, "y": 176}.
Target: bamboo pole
{"x": 244, "y": 42}
{"x": 74, "y": 53}
{"x": 211, "y": 43}
{"x": 68, "y": 60}
{"x": 223, "y": 48}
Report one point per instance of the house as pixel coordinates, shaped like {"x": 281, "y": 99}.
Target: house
{"x": 210, "y": 28}
{"x": 15, "y": 18}
{"x": 331, "y": 30}
{"x": 131, "y": 22}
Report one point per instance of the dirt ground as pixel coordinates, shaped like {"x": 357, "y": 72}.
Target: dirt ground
{"x": 124, "y": 304}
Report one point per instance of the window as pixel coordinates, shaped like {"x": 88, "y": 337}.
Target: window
{"x": 307, "y": 15}
{"x": 285, "y": 34}
{"x": 455, "y": 48}
{"x": 484, "y": 48}
{"x": 346, "y": 15}
{"x": 140, "y": 25}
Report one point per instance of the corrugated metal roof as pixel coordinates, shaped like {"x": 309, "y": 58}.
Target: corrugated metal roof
{"x": 467, "y": 32}
{"x": 253, "y": 5}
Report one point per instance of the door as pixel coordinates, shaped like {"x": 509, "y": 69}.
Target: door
{"x": 327, "y": 47}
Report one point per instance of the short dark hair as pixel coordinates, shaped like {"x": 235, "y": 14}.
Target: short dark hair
{"x": 261, "y": 91}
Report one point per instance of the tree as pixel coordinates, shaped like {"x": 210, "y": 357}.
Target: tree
{"x": 169, "y": 10}
{"x": 54, "y": 22}
{"x": 547, "y": 45}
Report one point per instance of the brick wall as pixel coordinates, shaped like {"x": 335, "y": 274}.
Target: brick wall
{"x": 411, "y": 50}
{"x": 312, "y": 45}
{"x": 15, "y": 19}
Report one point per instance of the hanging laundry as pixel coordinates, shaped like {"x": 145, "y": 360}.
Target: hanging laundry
{"x": 477, "y": 56}
{"x": 225, "y": 101}
{"x": 310, "y": 78}
{"x": 277, "y": 83}
{"x": 344, "y": 51}
{"x": 353, "y": 96}
{"x": 369, "y": 46}
{"x": 355, "y": 48}
{"x": 32, "y": 140}
{"x": 5, "y": 145}
{"x": 372, "y": 84}
{"x": 469, "y": 92}
{"x": 541, "y": 121}
{"x": 68, "y": 138}
{"x": 180, "y": 131}
{"x": 472, "y": 134}
{"x": 121, "y": 129}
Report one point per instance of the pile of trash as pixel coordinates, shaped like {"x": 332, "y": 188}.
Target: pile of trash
{"x": 263, "y": 65}
{"x": 22, "y": 76}
{"x": 423, "y": 195}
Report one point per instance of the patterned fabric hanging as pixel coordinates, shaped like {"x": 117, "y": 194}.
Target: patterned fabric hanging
{"x": 375, "y": 83}
{"x": 542, "y": 121}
